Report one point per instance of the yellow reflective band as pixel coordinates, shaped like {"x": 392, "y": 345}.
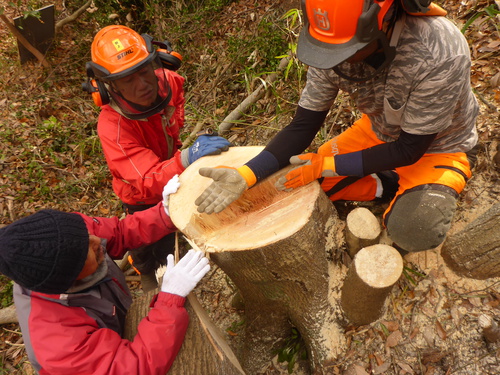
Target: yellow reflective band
{"x": 329, "y": 163}
{"x": 248, "y": 175}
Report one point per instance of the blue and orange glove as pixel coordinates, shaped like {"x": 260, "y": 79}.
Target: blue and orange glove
{"x": 310, "y": 167}
{"x": 203, "y": 146}
{"x": 228, "y": 185}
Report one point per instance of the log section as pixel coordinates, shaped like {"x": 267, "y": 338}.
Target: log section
{"x": 373, "y": 272}
{"x": 275, "y": 246}
{"x": 475, "y": 251}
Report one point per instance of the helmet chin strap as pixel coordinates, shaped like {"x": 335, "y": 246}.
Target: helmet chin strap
{"x": 389, "y": 54}
{"x": 144, "y": 112}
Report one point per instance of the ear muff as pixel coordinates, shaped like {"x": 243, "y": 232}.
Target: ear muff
{"x": 96, "y": 88}
{"x": 169, "y": 58}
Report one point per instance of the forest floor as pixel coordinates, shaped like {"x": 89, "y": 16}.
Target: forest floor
{"x": 430, "y": 325}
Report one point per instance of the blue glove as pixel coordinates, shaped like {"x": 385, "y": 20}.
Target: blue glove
{"x": 203, "y": 146}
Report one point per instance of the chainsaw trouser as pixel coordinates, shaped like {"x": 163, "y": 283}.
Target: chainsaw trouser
{"x": 424, "y": 201}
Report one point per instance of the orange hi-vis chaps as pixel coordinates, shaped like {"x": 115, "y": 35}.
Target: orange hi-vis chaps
{"x": 428, "y": 187}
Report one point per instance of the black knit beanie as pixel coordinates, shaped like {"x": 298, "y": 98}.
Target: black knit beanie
{"x": 44, "y": 252}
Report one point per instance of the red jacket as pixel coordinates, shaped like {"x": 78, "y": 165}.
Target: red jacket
{"x": 143, "y": 155}
{"x": 77, "y": 333}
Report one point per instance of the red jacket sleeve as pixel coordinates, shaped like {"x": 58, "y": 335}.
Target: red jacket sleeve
{"x": 75, "y": 345}
{"x": 141, "y": 228}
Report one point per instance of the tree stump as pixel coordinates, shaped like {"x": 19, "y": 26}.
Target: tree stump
{"x": 362, "y": 230}
{"x": 275, "y": 246}
{"x": 475, "y": 251}
{"x": 373, "y": 272}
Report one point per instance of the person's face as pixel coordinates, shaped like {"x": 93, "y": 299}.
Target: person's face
{"x": 95, "y": 257}
{"x": 363, "y": 53}
{"x": 139, "y": 88}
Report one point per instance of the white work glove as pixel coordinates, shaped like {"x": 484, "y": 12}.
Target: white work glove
{"x": 181, "y": 278}
{"x": 170, "y": 188}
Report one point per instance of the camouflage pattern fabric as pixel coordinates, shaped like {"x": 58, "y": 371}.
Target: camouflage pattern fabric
{"x": 425, "y": 90}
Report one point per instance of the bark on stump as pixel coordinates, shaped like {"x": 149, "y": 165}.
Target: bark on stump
{"x": 373, "y": 272}
{"x": 475, "y": 251}
{"x": 275, "y": 247}
{"x": 204, "y": 351}
{"x": 362, "y": 230}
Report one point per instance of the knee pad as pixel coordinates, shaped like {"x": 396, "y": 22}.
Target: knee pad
{"x": 420, "y": 219}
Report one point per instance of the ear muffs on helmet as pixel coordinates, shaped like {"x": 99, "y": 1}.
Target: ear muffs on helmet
{"x": 169, "y": 58}
{"x": 95, "y": 87}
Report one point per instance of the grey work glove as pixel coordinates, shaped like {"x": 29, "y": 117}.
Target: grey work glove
{"x": 181, "y": 278}
{"x": 228, "y": 185}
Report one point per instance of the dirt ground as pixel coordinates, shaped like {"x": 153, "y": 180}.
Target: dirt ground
{"x": 430, "y": 325}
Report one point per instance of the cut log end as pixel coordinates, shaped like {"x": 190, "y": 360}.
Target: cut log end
{"x": 362, "y": 230}
{"x": 379, "y": 266}
{"x": 363, "y": 223}
{"x": 263, "y": 213}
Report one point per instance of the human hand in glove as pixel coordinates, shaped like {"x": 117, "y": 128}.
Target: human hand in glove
{"x": 203, "y": 146}
{"x": 310, "y": 167}
{"x": 170, "y": 188}
{"x": 228, "y": 185}
{"x": 181, "y": 278}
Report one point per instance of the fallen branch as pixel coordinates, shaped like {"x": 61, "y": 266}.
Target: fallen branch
{"x": 72, "y": 17}
{"x": 8, "y": 315}
{"x": 230, "y": 119}
{"x": 24, "y": 41}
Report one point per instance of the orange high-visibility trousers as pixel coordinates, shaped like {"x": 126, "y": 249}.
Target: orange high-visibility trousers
{"x": 446, "y": 172}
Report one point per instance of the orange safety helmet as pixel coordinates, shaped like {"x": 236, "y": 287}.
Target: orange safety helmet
{"x": 117, "y": 52}
{"x": 336, "y": 29}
